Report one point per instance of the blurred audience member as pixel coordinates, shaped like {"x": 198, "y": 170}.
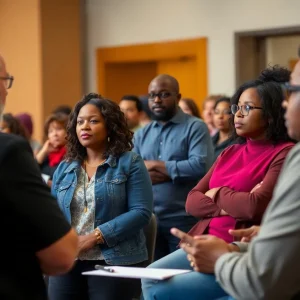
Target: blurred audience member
{"x": 177, "y": 151}
{"x": 145, "y": 115}
{"x": 189, "y": 107}
{"x": 10, "y": 124}
{"x": 26, "y": 120}
{"x": 208, "y": 112}
{"x": 53, "y": 150}
{"x": 35, "y": 235}
{"x": 63, "y": 109}
{"x": 104, "y": 190}
{"x": 131, "y": 106}
{"x": 222, "y": 112}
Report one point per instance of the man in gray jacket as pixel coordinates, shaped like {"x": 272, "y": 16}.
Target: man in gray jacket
{"x": 267, "y": 268}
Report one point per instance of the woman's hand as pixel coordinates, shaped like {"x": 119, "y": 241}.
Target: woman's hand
{"x": 247, "y": 234}
{"x": 256, "y": 187}
{"x": 211, "y": 193}
{"x": 86, "y": 242}
{"x": 42, "y": 154}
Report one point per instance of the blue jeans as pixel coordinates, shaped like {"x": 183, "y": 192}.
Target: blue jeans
{"x": 193, "y": 285}
{"x": 75, "y": 286}
{"x": 166, "y": 242}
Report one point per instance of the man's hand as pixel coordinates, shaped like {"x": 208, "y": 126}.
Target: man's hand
{"x": 86, "y": 242}
{"x": 203, "y": 251}
{"x": 157, "y": 177}
{"x": 247, "y": 234}
{"x": 150, "y": 164}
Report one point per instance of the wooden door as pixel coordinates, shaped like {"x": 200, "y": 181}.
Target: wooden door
{"x": 185, "y": 71}
{"x": 128, "y": 79}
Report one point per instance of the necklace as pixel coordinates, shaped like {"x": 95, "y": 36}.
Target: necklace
{"x": 94, "y": 166}
{"x": 84, "y": 182}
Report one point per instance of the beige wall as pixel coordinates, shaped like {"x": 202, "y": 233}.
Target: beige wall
{"x": 115, "y": 22}
{"x": 280, "y": 50}
{"x": 40, "y": 41}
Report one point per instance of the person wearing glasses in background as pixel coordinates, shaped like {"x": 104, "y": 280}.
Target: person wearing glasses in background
{"x": 177, "y": 151}
{"x": 222, "y": 139}
{"x": 237, "y": 189}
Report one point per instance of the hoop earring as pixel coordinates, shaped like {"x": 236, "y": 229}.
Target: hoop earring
{"x": 108, "y": 139}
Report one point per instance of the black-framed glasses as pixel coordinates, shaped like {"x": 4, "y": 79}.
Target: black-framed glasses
{"x": 244, "y": 109}
{"x": 8, "y": 81}
{"x": 288, "y": 88}
{"x": 161, "y": 95}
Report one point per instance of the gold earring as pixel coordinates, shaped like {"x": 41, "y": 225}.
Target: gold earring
{"x": 108, "y": 139}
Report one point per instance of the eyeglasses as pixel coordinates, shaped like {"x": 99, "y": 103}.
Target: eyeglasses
{"x": 8, "y": 81}
{"x": 161, "y": 95}
{"x": 244, "y": 109}
{"x": 223, "y": 112}
{"x": 287, "y": 89}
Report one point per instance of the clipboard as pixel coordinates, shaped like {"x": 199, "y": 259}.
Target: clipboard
{"x": 138, "y": 273}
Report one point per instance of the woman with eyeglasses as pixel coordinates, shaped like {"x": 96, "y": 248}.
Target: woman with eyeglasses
{"x": 222, "y": 139}
{"x": 238, "y": 188}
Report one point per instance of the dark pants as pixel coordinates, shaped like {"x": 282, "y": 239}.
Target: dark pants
{"x": 75, "y": 286}
{"x": 167, "y": 243}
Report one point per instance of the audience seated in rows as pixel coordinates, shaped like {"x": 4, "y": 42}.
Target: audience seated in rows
{"x": 238, "y": 188}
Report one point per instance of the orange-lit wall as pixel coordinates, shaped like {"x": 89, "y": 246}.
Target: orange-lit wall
{"x": 20, "y": 45}
{"x": 40, "y": 42}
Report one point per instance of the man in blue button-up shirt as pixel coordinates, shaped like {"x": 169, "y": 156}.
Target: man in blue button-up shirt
{"x": 178, "y": 151}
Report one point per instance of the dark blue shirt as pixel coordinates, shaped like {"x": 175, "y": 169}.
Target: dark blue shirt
{"x": 184, "y": 144}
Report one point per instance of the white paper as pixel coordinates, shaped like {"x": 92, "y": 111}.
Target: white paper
{"x": 131, "y": 272}
{"x": 45, "y": 177}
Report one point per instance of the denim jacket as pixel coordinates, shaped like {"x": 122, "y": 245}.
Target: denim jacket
{"x": 123, "y": 200}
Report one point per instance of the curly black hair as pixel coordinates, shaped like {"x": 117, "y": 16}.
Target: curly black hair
{"x": 116, "y": 126}
{"x": 268, "y": 86}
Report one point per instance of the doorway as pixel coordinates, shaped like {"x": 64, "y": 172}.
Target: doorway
{"x": 255, "y": 50}
{"x": 129, "y": 69}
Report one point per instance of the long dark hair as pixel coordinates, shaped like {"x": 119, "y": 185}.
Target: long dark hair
{"x": 116, "y": 126}
{"x": 269, "y": 90}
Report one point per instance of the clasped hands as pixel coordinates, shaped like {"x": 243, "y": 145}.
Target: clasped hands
{"x": 157, "y": 171}
{"x": 203, "y": 251}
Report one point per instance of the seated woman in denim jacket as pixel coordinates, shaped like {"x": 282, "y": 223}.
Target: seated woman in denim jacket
{"x": 105, "y": 192}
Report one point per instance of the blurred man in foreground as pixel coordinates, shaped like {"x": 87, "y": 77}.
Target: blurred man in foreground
{"x": 35, "y": 236}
